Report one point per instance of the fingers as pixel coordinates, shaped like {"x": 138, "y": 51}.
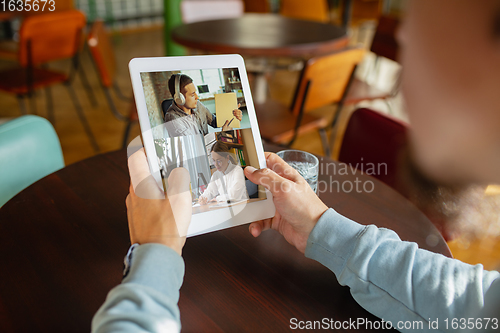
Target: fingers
{"x": 143, "y": 183}
{"x": 276, "y": 163}
{"x": 138, "y": 167}
{"x": 226, "y": 126}
{"x": 256, "y": 228}
{"x": 178, "y": 181}
{"x": 237, "y": 113}
{"x": 269, "y": 179}
{"x": 180, "y": 199}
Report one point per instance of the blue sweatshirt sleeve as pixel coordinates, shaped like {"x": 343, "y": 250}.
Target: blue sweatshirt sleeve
{"x": 146, "y": 300}
{"x": 396, "y": 280}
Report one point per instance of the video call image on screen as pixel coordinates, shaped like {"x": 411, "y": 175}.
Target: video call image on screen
{"x": 208, "y": 132}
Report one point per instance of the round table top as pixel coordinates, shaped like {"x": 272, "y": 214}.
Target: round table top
{"x": 63, "y": 240}
{"x": 262, "y": 35}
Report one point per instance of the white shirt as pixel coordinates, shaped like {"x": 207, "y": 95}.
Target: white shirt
{"x": 227, "y": 185}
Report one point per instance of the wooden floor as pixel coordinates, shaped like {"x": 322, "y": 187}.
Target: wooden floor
{"x": 109, "y": 130}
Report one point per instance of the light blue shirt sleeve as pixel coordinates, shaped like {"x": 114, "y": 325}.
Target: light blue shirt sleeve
{"x": 396, "y": 280}
{"x": 146, "y": 300}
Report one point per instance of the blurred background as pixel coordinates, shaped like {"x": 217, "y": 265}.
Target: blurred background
{"x": 115, "y": 31}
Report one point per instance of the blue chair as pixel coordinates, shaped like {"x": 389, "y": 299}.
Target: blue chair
{"x": 29, "y": 151}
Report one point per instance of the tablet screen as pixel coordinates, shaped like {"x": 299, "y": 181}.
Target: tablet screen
{"x": 199, "y": 121}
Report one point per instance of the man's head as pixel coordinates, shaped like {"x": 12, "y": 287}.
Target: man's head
{"x": 187, "y": 88}
{"x": 451, "y": 65}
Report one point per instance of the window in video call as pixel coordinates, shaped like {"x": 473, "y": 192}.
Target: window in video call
{"x": 210, "y": 134}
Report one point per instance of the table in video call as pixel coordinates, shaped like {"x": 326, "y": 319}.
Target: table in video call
{"x": 63, "y": 240}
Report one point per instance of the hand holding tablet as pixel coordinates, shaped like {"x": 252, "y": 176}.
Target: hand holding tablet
{"x": 186, "y": 132}
{"x": 292, "y": 220}
{"x": 152, "y": 216}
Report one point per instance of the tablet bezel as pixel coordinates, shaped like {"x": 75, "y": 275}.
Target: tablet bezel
{"x": 221, "y": 218}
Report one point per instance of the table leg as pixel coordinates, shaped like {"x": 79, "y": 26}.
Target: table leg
{"x": 260, "y": 88}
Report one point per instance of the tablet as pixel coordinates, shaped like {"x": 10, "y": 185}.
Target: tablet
{"x": 197, "y": 112}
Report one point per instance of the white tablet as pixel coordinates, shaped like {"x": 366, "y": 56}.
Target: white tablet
{"x": 197, "y": 112}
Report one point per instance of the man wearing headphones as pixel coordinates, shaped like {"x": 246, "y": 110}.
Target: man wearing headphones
{"x": 187, "y": 115}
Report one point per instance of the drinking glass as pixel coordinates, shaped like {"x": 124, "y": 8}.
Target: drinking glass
{"x": 305, "y": 163}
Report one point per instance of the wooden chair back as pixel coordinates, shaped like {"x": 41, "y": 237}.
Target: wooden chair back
{"x": 257, "y": 6}
{"x": 52, "y": 36}
{"x": 374, "y": 139}
{"x": 102, "y": 52}
{"x": 204, "y": 10}
{"x": 324, "y": 79}
{"x": 384, "y": 41}
{"x": 313, "y": 10}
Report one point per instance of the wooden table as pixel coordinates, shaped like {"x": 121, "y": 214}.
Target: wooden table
{"x": 62, "y": 242}
{"x": 262, "y": 36}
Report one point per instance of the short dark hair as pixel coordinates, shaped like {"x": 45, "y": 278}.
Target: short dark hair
{"x": 185, "y": 80}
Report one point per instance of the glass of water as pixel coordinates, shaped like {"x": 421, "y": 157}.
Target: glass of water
{"x": 305, "y": 163}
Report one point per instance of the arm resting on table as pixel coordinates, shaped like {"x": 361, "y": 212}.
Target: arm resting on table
{"x": 396, "y": 280}
{"x": 146, "y": 300}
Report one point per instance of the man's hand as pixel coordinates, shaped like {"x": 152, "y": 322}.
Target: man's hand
{"x": 226, "y": 126}
{"x": 152, "y": 217}
{"x": 298, "y": 208}
{"x": 237, "y": 113}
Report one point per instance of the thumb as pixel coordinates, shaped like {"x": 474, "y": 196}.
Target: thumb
{"x": 269, "y": 179}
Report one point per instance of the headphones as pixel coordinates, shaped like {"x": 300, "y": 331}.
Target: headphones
{"x": 178, "y": 96}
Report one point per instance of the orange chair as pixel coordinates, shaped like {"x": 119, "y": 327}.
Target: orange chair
{"x": 313, "y": 10}
{"x": 257, "y": 6}
{"x": 103, "y": 55}
{"x": 324, "y": 80}
{"x": 45, "y": 38}
{"x": 9, "y": 49}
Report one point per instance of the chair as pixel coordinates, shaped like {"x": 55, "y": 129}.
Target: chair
{"x": 384, "y": 42}
{"x": 204, "y": 10}
{"x": 45, "y": 38}
{"x": 9, "y": 49}
{"x": 384, "y": 45}
{"x": 257, "y": 6}
{"x": 103, "y": 57}
{"x": 165, "y": 105}
{"x": 30, "y": 150}
{"x": 372, "y": 138}
{"x": 313, "y": 10}
{"x": 324, "y": 80}
{"x": 377, "y": 145}
{"x": 361, "y": 11}
{"x": 252, "y": 189}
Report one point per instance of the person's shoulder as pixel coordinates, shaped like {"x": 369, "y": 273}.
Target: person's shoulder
{"x": 216, "y": 175}
{"x": 172, "y": 113}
